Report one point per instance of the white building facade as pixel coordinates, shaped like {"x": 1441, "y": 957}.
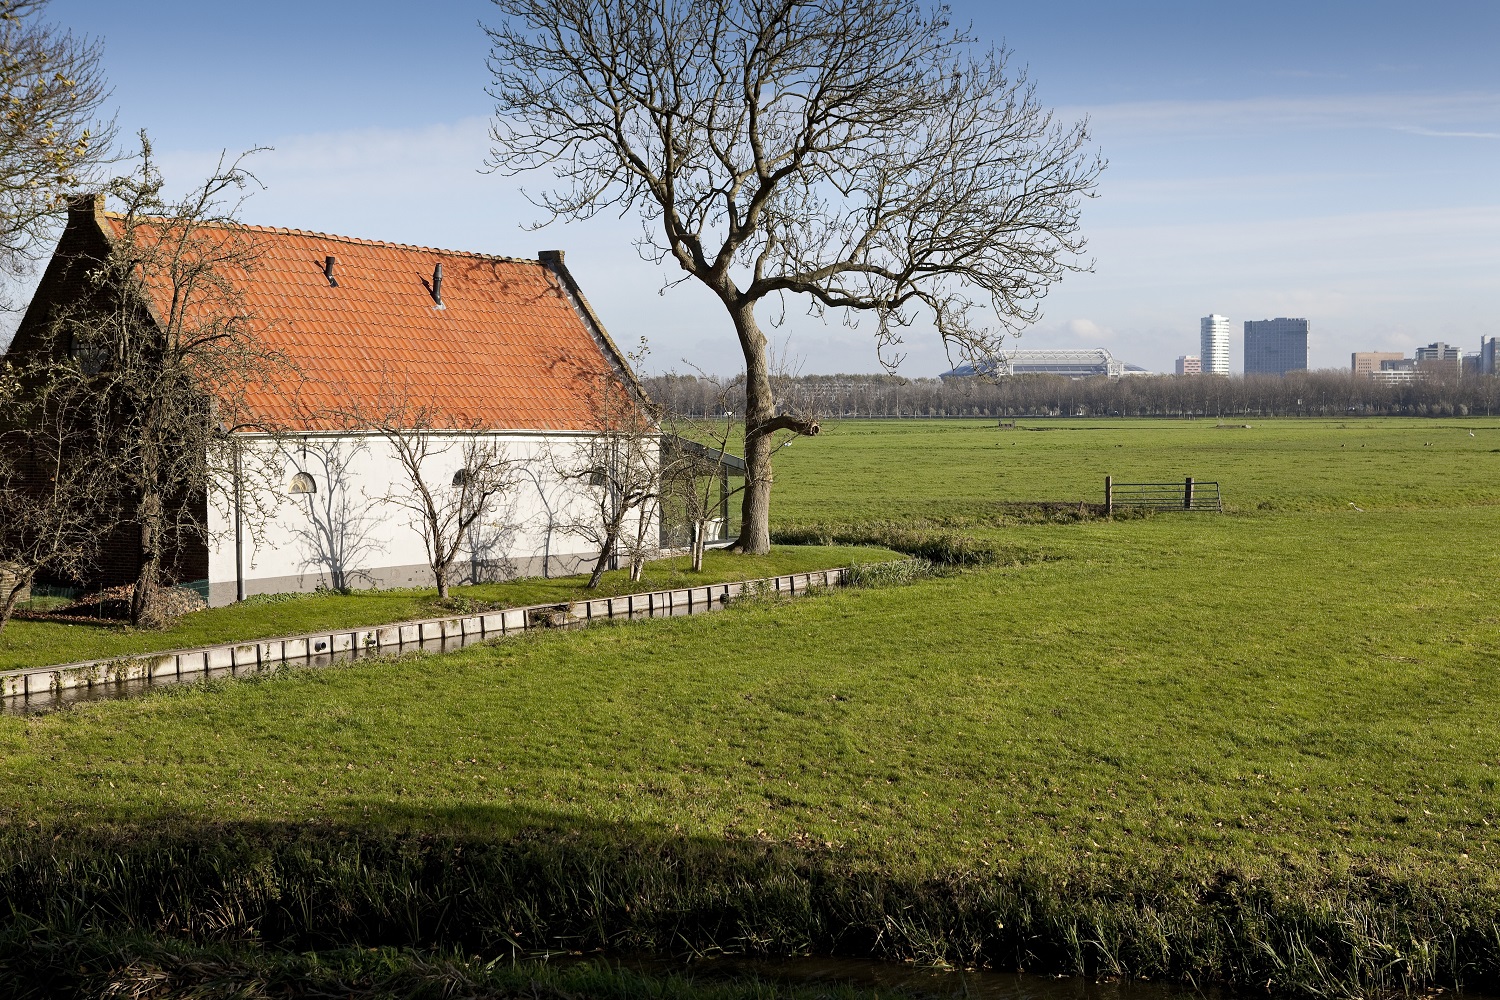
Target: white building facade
{"x": 1214, "y": 344}
{"x": 333, "y": 511}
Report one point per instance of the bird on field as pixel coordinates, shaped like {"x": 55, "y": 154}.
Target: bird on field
{"x": 1356, "y": 506}
{"x": 1471, "y": 434}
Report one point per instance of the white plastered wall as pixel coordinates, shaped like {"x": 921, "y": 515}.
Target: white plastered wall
{"x": 348, "y": 534}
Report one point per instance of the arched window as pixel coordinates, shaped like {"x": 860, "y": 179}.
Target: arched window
{"x": 303, "y": 483}
{"x": 462, "y": 477}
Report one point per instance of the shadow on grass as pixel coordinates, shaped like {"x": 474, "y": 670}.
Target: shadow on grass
{"x": 541, "y": 882}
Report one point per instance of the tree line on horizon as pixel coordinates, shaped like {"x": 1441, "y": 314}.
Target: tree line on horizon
{"x": 1324, "y": 393}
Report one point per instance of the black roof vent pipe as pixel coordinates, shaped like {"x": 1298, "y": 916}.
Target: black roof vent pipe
{"x": 437, "y": 284}
{"x": 328, "y": 263}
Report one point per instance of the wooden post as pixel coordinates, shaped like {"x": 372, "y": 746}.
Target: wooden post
{"x": 1187, "y": 493}
{"x": 1109, "y": 496}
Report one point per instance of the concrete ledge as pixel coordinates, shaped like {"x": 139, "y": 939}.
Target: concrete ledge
{"x": 438, "y": 633}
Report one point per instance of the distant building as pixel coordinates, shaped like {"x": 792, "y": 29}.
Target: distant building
{"x": 1275, "y": 346}
{"x": 1214, "y": 346}
{"x": 1068, "y": 364}
{"x": 1489, "y": 355}
{"x": 1368, "y": 362}
{"x": 1439, "y": 359}
{"x": 1396, "y": 376}
{"x": 1189, "y": 364}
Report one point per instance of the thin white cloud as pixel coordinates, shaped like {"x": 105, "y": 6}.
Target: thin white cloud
{"x": 1418, "y": 130}
{"x": 1251, "y": 114}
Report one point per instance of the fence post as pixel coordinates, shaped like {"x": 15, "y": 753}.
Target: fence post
{"x": 1109, "y": 496}
{"x": 1187, "y": 493}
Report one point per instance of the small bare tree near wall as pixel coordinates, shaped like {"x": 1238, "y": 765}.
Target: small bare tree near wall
{"x": 861, "y": 154}
{"x": 455, "y": 479}
{"x": 615, "y": 466}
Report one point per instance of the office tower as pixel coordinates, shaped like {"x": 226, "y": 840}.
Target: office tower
{"x": 1189, "y": 364}
{"x": 1365, "y": 362}
{"x": 1489, "y": 355}
{"x": 1275, "y": 346}
{"x": 1440, "y": 359}
{"x": 1214, "y": 350}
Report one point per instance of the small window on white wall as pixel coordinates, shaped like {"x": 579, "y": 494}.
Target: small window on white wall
{"x": 302, "y": 483}
{"x": 461, "y": 477}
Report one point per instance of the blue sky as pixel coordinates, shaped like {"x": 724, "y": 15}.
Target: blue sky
{"x": 1337, "y": 161}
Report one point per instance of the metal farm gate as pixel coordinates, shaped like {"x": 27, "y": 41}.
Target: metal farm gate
{"x": 1188, "y": 495}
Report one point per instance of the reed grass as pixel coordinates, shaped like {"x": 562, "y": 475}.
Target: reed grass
{"x": 303, "y": 892}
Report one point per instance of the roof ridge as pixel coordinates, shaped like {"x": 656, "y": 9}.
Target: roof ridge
{"x": 358, "y": 240}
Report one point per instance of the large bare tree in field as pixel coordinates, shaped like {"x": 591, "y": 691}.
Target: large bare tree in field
{"x": 861, "y": 153}
{"x": 51, "y": 89}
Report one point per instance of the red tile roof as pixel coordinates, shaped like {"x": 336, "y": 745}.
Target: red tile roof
{"x": 504, "y": 351}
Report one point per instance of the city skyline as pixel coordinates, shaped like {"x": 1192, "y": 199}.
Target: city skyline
{"x": 1375, "y": 218}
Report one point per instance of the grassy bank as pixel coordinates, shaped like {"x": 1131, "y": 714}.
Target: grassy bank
{"x": 278, "y": 902}
{"x": 1257, "y": 748}
{"x": 41, "y": 643}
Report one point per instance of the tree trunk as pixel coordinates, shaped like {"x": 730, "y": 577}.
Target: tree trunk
{"x": 602, "y": 562}
{"x": 148, "y": 578}
{"x": 699, "y": 531}
{"x": 760, "y": 409}
{"x": 440, "y": 573}
{"x": 21, "y": 581}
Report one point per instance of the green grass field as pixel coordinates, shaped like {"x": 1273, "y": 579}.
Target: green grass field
{"x": 41, "y": 643}
{"x": 1294, "y": 695}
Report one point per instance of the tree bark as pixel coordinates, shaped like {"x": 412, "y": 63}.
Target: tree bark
{"x": 602, "y": 563}
{"x": 440, "y": 573}
{"x": 148, "y": 578}
{"x": 760, "y": 410}
{"x": 700, "y": 528}
{"x": 21, "y": 582}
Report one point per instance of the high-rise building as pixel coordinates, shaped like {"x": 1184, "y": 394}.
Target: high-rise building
{"x": 1214, "y": 344}
{"x": 1489, "y": 355}
{"x": 1189, "y": 364}
{"x": 1365, "y": 362}
{"x": 1439, "y": 359}
{"x": 1275, "y": 346}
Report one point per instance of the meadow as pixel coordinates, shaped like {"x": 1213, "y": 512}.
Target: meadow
{"x": 1258, "y": 748}
{"x": 43, "y": 642}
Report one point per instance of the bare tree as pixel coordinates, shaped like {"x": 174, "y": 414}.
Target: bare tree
{"x": 339, "y": 533}
{"x": 50, "y": 142}
{"x": 56, "y": 500}
{"x": 617, "y": 464}
{"x": 861, "y": 153}
{"x": 162, "y": 342}
{"x": 456, "y": 476}
{"x": 695, "y": 478}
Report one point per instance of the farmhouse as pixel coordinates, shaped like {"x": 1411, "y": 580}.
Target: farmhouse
{"x": 497, "y": 350}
